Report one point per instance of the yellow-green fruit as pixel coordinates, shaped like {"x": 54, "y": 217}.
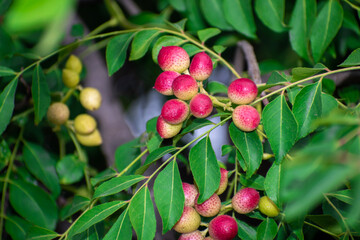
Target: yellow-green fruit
{"x": 91, "y": 140}
{"x": 84, "y": 124}
{"x": 58, "y": 113}
{"x": 70, "y": 78}
{"x": 90, "y": 98}
{"x": 268, "y": 207}
{"x": 74, "y": 63}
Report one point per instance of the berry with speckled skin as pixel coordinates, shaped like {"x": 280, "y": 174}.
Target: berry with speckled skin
{"x": 246, "y": 118}
{"x": 201, "y": 66}
{"x": 58, "y": 113}
{"x": 190, "y": 192}
{"x": 184, "y": 87}
{"x": 242, "y": 91}
{"x": 245, "y": 200}
{"x": 173, "y": 58}
{"x": 223, "y": 227}
{"x": 210, "y": 207}
{"x": 196, "y": 235}
{"x": 223, "y": 181}
{"x": 268, "y": 207}
{"x": 188, "y": 222}
{"x": 201, "y": 105}
{"x": 167, "y": 130}
{"x": 208, "y": 238}
{"x": 175, "y": 111}
{"x": 90, "y": 98}
{"x": 164, "y": 82}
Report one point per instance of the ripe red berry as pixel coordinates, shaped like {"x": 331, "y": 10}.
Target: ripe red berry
{"x": 175, "y": 111}
{"x": 173, "y": 58}
{"x": 245, "y": 200}
{"x": 188, "y": 222}
{"x": 164, "y": 82}
{"x": 223, "y": 181}
{"x": 201, "y": 66}
{"x": 223, "y": 227}
{"x": 167, "y": 130}
{"x": 196, "y": 235}
{"x": 246, "y": 118}
{"x": 201, "y": 105}
{"x": 210, "y": 207}
{"x": 190, "y": 192}
{"x": 185, "y": 87}
{"x": 242, "y": 91}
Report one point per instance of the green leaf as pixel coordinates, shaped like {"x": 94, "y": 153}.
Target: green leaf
{"x": 267, "y": 230}
{"x": 179, "y": 5}
{"x": 208, "y": 33}
{"x": 70, "y": 169}
{"x": 4, "y": 5}
{"x": 196, "y": 124}
{"x": 205, "y": 168}
{"x": 219, "y": 49}
{"x": 95, "y": 215}
{"x": 256, "y": 181}
{"x": 103, "y": 176}
{"x": 16, "y": 227}
{"x": 5, "y": 154}
{"x": 239, "y": 14}
{"x": 163, "y": 42}
{"x": 271, "y": 13}
{"x": 116, "y": 185}
{"x": 7, "y": 98}
{"x": 33, "y": 204}
{"x": 250, "y": 147}
{"x": 329, "y": 103}
{"x": 216, "y": 87}
{"x": 121, "y": 229}
{"x": 180, "y": 25}
{"x": 325, "y": 28}
{"x": 77, "y": 204}
{"x": 280, "y": 126}
{"x": 292, "y": 92}
{"x": 191, "y": 49}
{"x": 307, "y": 107}
{"x": 350, "y": 22}
{"x": 40, "y": 94}
{"x": 245, "y": 231}
{"x": 272, "y": 183}
{"x": 116, "y": 51}
{"x": 125, "y": 154}
{"x": 5, "y": 71}
{"x": 213, "y": 13}
{"x": 276, "y": 78}
{"x": 169, "y": 196}
{"x": 352, "y": 60}
{"x": 302, "y": 72}
{"x": 141, "y": 43}
{"x": 95, "y": 232}
{"x": 42, "y": 166}
{"x": 302, "y": 19}
{"x": 343, "y": 195}
{"x": 39, "y": 233}
{"x": 326, "y": 222}
{"x": 194, "y": 15}
{"x": 159, "y": 153}
{"x": 142, "y": 216}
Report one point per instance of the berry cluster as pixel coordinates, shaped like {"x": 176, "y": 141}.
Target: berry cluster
{"x": 183, "y": 79}
{"x": 84, "y": 125}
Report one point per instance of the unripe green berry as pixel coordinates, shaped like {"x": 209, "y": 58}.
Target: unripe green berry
{"x": 84, "y": 124}
{"x": 189, "y": 221}
{"x": 268, "y": 207}
{"x": 70, "y": 78}
{"x": 58, "y": 113}
{"x": 74, "y": 63}
{"x": 90, "y": 98}
{"x": 91, "y": 140}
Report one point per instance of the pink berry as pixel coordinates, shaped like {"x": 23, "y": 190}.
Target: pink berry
{"x": 223, "y": 181}
{"x": 196, "y": 235}
{"x": 208, "y": 238}
{"x": 223, "y": 227}
{"x": 190, "y": 192}
{"x": 210, "y": 207}
{"x": 173, "y": 58}
{"x": 167, "y": 130}
{"x": 185, "y": 87}
{"x": 242, "y": 91}
{"x": 246, "y": 118}
{"x": 245, "y": 200}
{"x": 175, "y": 111}
{"x": 164, "y": 82}
{"x": 201, "y": 105}
{"x": 189, "y": 221}
{"x": 201, "y": 66}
